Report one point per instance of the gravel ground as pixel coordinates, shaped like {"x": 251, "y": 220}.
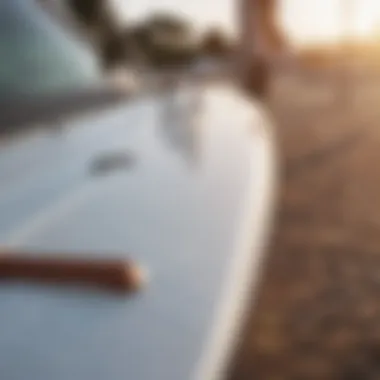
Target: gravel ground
{"x": 318, "y": 311}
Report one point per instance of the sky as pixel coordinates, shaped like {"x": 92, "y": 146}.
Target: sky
{"x": 201, "y": 12}
{"x": 305, "y": 21}
{"x": 322, "y": 21}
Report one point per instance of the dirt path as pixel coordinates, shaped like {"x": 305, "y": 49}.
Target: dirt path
{"x": 318, "y": 312}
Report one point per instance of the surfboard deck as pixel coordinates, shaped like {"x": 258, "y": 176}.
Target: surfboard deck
{"x": 192, "y": 206}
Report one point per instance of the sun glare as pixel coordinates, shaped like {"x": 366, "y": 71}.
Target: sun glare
{"x": 323, "y": 20}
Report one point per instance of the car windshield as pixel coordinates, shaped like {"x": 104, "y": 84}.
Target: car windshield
{"x": 39, "y": 57}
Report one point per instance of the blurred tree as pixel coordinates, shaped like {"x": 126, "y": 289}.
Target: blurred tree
{"x": 99, "y": 21}
{"x": 163, "y": 39}
{"x": 113, "y": 50}
{"x": 139, "y": 36}
{"x": 94, "y": 14}
{"x": 215, "y": 43}
{"x": 170, "y": 25}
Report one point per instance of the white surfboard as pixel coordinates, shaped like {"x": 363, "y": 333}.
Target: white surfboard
{"x": 190, "y": 200}
{"x": 192, "y": 207}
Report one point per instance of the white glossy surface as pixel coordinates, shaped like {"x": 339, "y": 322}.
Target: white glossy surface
{"x": 190, "y": 208}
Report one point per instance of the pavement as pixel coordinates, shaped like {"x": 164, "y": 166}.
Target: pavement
{"x": 318, "y": 311}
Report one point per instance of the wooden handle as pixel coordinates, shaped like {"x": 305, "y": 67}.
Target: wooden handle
{"x": 120, "y": 275}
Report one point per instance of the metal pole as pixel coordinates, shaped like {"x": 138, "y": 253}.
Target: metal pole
{"x": 348, "y": 12}
{"x": 253, "y": 57}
